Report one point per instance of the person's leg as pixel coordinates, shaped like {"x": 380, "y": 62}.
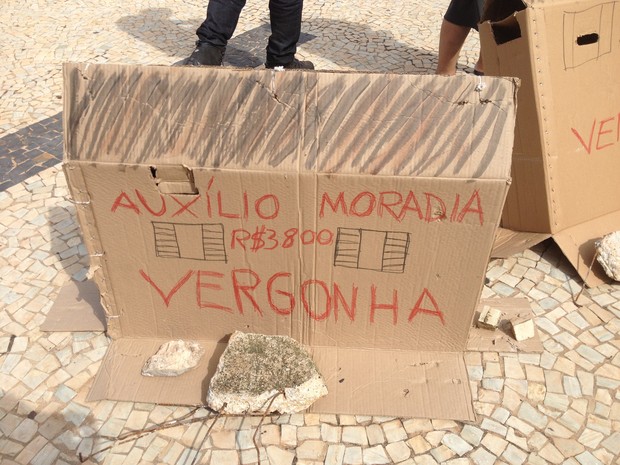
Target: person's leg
{"x": 285, "y": 16}
{"x": 479, "y": 67}
{"x": 215, "y": 32}
{"x": 460, "y": 18}
{"x": 451, "y": 40}
{"x": 221, "y": 22}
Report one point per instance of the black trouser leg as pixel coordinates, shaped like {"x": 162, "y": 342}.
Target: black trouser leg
{"x": 222, "y": 19}
{"x": 285, "y": 18}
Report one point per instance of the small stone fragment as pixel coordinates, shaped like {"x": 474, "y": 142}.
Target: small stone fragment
{"x": 608, "y": 254}
{"x": 523, "y": 328}
{"x": 489, "y": 318}
{"x": 259, "y": 373}
{"x": 173, "y": 359}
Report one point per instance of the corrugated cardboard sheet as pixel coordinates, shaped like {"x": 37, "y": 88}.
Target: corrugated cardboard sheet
{"x": 353, "y": 212}
{"x": 567, "y": 137}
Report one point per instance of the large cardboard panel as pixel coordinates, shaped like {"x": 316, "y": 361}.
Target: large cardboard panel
{"x": 353, "y": 212}
{"x": 567, "y": 141}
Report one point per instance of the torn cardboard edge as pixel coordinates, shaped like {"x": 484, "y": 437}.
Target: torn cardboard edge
{"x": 77, "y": 308}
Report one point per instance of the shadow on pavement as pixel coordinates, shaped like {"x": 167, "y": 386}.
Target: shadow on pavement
{"x": 30, "y": 150}
{"x": 350, "y": 45}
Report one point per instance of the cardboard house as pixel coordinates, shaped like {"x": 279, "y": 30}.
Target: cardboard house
{"x": 353, "y": 212}
{"x": 567, "y": 136}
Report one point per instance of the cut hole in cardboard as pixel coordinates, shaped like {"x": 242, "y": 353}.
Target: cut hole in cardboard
{"x": 174, "y": 179}
{"x": 506, "y": 30}
{"x": 587, "y": 39}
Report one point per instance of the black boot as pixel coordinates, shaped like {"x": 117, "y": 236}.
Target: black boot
{"x": 295, "y": 64}
{"x": 206, "y": 55}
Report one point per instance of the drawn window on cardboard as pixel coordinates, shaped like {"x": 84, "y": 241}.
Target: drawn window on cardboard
{"x": 588, "y": 34}
{"x": 384, "y": 251}
{"x": 193, "y": 241}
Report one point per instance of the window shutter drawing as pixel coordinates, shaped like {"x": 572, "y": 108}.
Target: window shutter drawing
{"x": 348, "y": 247}
{"x": 192, "y": 241}
{"x": 384, "y": 251}
{"x": 395, "y": 249}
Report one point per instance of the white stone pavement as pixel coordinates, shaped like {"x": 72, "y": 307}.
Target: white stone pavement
{"x": 558, "y": 407}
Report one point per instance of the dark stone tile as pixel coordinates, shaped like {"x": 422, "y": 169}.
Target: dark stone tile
{"x": 30, "y": 150}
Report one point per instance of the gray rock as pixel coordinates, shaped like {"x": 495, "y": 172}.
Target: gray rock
{"x": 173, "y": 359}
{"x": 608, "y": 254}
{"x": 256, "y": 369}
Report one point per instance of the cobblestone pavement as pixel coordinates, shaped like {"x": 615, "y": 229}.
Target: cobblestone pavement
{"x": 561, "y": 406}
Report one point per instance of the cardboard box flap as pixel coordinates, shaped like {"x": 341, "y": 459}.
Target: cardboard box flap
{"x": 577, "y": 244}
{"x": 508, "y": 243}
{"x": 409, "y": 125}
{"x": 501, "y": 15}
{"x": 528, "y": 203}
{"x": 360, "y": 381}
{"x": 567, "y": 131}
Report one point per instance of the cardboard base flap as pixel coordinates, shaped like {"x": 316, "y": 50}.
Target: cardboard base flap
{"x": 577, "y": 244}
{"x": 502, "y": 338}
{"x": 120, "y": 375}
{"x": 394, "y": 383}
{"x": 360, "y": 381}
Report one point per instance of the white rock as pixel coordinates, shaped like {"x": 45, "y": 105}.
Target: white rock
{"x": 608, "y": 254}
{"x": 259, "y": 373}
{"x": 173, "y": 359}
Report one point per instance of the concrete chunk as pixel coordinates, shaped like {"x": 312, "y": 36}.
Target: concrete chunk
{"x": 608, "y": 254}
{"x": 173, "y": 359}
{"x": 256, "y": 369}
